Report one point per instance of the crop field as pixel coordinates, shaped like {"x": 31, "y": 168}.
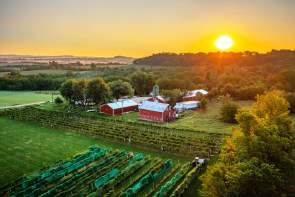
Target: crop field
{"x": 101, "y": 172}
{"x": 26, "y": 147}
{"x": 195, "y": 120}
{"x": 9, "y": 98}
{"x": 175, "y": 141}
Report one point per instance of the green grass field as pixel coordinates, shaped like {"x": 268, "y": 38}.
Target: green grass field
{"x": 9, "y": 98}
{"x": 27, "y": 147}
{"x": 206, "y": 120}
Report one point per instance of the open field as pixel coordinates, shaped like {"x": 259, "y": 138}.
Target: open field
{"x": 206, "y": 120}
{"x": 86, "y": 71}
{"x": 9, "y": 98}
{"x": 28, "y": 147}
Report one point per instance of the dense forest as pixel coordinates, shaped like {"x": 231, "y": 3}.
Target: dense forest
{"x": 241, "y": 75}
{"x": 275, "y": 59}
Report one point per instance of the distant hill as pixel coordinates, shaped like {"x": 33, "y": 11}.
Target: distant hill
{"x": 275, "y": 59}
{"x": 64, "y": 59}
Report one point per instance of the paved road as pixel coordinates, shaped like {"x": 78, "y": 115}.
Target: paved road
{"x": 23, "y": 105}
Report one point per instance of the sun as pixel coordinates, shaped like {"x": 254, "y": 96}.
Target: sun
{"x": 224, "y": 42}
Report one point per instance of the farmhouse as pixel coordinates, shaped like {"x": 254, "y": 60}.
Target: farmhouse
{"x": 192, "y": 95}
{"x": 119, "y": 107}
{"x": 186, "y": 105}
{"x": 154, "y": 111}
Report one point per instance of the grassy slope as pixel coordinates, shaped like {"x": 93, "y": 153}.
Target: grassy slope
{"x": 27, "y": 147}
{"x": 208, "y": 120}
{"x": 8, "y": 98}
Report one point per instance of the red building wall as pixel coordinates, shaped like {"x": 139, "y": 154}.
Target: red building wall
{"x": 156, "y": 116}
{"x": 108, "y": 110}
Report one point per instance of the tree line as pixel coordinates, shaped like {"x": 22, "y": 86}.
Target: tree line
{"x": 273, "y": 59}
{"x": 96, "y": 91}
{"x": 16, "y": 81}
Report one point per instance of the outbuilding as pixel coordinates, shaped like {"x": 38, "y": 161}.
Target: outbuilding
{"x": 119, "y": 107}
{"x": 154, "y": 111}
{"x": 192, "y": 95}
{"x": 158, "y": 99}
{"x": 139, "y": 99}
{"x": 186, "y": 105}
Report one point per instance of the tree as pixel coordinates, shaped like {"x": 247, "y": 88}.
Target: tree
{"x": 258, "y": 159}
{"x": 228, "y": 111}
{"x": 58, "y": 100}
{"x": 79, "y": 92}
{"x": 142, "y": 83}
{"x": 74, "y": 91}
{"x": 98, "y": 90}
{"x": 203, "y": 103}
{"x": 174, "y": 95}
{"x": 53, "y": 64}
{"x": 121, "y": 88}
{"x": 67, "y": 90}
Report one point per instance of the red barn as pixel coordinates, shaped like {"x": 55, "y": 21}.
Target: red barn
{"x": 153, "y": 111}
{"x": 119, "y": 107}
{"x": 158, "y": 99}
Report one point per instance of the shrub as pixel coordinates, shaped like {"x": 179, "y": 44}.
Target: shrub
{"x": 203, "y": 103}
{"x": 228, "y": 111}
{"x": 58, "y": 100}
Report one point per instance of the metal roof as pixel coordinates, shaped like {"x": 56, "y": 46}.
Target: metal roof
{"x": 195, "y": 92}
{"x": 187, "y": 105}
{"x": 122, "y": 104}
{"x": 153, "y": 106}
{"x": 139, "y": 100}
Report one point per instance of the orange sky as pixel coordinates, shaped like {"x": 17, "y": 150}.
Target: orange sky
{"x": 142, "y": 27}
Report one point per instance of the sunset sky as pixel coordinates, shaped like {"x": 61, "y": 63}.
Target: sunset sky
{"x": 142, "y": 27}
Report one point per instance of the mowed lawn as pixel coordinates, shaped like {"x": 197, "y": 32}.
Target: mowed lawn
{"x": 27, "y": 147}
{"x": 8, "y": 98}
{"x": 206, "y": 120}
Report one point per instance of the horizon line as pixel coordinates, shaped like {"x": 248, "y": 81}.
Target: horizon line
{"x": 124, "y": 56}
